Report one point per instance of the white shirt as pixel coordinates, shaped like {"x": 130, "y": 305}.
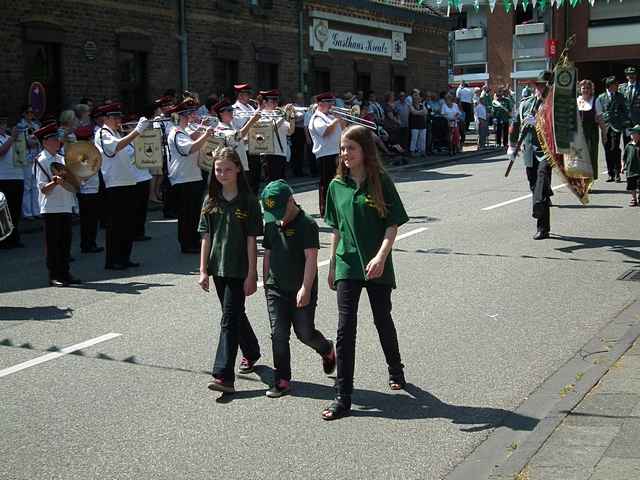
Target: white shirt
{"x": 450, "y": 111}
{"x": 239, "y": 145}
{"x": 239, "y": 122}
{"x": 324, "y": 146}
{"x": 183, "y": 166}
{"x": 116, "y": 169}
{"x": 465, "y": 94}
{"x": 58, "y": 200}
{"x": 8, "y": 171}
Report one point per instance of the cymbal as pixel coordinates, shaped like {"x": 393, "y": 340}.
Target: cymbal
{"x": 82, "y": 159}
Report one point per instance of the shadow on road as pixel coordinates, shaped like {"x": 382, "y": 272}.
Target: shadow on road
{"x": 618, "y": 245}
{"x": 131, "y": 288}
{"x": 587, "y": 207}
{"x": 49, "y": 312}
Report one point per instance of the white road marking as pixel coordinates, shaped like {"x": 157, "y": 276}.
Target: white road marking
{"x": 53, "y": 355}
{"x": 514, "y": 200}
{"x": 399, "y": 237}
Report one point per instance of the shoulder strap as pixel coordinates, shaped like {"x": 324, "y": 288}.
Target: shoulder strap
{"x": 175, "y": 143}
{"x": 37, "y": 162}
{"x": 102, "y": 144}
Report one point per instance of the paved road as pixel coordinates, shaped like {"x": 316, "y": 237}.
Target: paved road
{"x": 484, "y": 315}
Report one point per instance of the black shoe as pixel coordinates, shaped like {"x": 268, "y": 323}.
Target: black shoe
{"x": 94, "y": 249}
{"x": 115, "y": 266}
{"x": 541, "y": 235}
{"x": 618, "y": 179}
{"x": 610, "y": 179}
{"x": 132, "y": 264}
{"x": 281, "y": 388}
{"x": 142, "y": 238}
{"x": 71, "y": 280}
{"x": 71, "y": 259}
{"x": 53, "y": 282}
{"x": 190, "y": 250}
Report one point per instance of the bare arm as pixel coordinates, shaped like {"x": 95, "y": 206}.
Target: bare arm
{"x": 335, "y": 238}
{"x": 250, "y": 283}
{"x": 244, "y": 131}
{"x": 198, "y": 144}
{"x": 331, "y": 127}
{"x": 375, "y": 268}
{"x": 205, "y": 247}
{"x": 266, "y": 263}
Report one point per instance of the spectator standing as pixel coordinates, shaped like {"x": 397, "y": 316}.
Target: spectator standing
{"x": 631, "y": 93}
{"x": 26, "y": 127}
{"x": 375, "y": 108}
{"x": 403, "y": 109}
{"x": 632, "y": 164}
{"x": 587, "y": 111}
{"x": 611, "y": 112}
{"x": 502, "y": 107}
{"x": 418, "y": 124}
{"x": 391, "y": 117}
{"x": 465, "y": 100}
{"x": 480, "y": 113}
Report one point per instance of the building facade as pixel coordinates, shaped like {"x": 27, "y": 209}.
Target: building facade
{"x": 133, "y": 51}
{"x": 511, "y": 48}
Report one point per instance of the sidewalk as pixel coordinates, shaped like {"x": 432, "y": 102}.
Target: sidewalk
{"x": 600, "y": 438}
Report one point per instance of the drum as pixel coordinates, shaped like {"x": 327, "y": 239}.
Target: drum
{"x": 6, "y": 225}
{"x": 261, "y": 140}
{"x": 148, "y": 149}
{"x": 207, "y": 152}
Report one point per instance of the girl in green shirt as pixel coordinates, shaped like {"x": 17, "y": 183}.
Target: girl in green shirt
{"x": 365, "y": 211}
{"x": 231, "y": 220}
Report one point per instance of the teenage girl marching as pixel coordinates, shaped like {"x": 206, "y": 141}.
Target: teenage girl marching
{"x": 230, "y": 222}
{"x": 365, "y": 211}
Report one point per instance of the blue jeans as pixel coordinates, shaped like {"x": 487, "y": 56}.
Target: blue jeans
{"x": 283, "y": 313}
{"x": 235, "y": 329}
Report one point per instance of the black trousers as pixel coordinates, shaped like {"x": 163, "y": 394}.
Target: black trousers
{"x": 328, "y": 165}
{"x": 57, "y": 233}
{"x": 612, "y": 153}
{"x": 141, "y": 205}
{"x": 275, "y": 166}
{"x": 502, "y": 133}
{"x": 13, "y": 191}
{"x": 255, "y": 173}
{"x": 121, "y": 224}
{"x": 539, "y": 176}
{"x": 283, "y": 313}
{"x": 189, "y": 203}
{"x": 235, "y": 329}
{"x": 89, "y": 204}
{"x": 380, "y": 301}
{"x": 310, "y": 159}
{"x": 298, "y": 146}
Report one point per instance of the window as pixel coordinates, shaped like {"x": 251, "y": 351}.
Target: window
{"x": 399, "y": 83}
{"x": 42, "y": 64}
{"x": 363, "y": 81}
{"x": 321, "y": 81}
{"x": 267, "y": 75}
{"x": 132, "y": 80}
{"x": 225, "y": 75}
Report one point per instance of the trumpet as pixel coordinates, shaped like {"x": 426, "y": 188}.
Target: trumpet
{"x": 352, "y": 115}
{"x": 127, "y": 127}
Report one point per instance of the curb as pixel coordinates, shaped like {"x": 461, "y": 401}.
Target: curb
{"x": 300, "y": 185}
{"x": 495, "y": 458}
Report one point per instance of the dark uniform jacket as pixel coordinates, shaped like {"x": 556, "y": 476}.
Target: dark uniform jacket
{"x": 614, "y": 110}
{"x": 632, "y": 98}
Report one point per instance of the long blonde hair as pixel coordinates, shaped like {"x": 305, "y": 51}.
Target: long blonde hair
{"x": 215, "y": 187}
{"x": 372, "y": 164}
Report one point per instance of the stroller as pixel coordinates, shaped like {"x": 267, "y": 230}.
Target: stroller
{"x": 439, "y": 135}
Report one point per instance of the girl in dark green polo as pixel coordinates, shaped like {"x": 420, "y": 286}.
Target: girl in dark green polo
{"x": 230, "y": 222}
{"x": 365, "y": 211}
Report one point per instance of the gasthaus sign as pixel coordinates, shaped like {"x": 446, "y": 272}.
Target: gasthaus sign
{"x": 324, "y": 39}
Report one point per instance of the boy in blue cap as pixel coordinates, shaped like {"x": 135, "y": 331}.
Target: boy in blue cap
{"x": 290, "y": 271}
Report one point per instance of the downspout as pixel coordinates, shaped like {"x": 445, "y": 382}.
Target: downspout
{"x": 301, "y": 46}
{"x": 184, "y": 53}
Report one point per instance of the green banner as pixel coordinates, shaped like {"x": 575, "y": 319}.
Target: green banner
{"x": 565, "y": 107}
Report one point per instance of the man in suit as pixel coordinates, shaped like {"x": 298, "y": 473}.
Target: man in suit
{"x": 611, "y": 110}
{"x": 631, "y": 93}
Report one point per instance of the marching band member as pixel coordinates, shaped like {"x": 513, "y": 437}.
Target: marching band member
{"x": 11, "y": 182}
{"x": 325, "y": 131}
{"x": 185, "y": 175}
{"x": 276, "y": 163}
{"x": 89, "y": 202}
{"x": 120, "y": 184}
{"x": 243, "y": 92}
{"x": 160, "y": 185}
{"x": 56, "y": 204}
{"x": 141, "y": 199}
{"x": 27, "y": 125}
{"x": 235, "y": 138}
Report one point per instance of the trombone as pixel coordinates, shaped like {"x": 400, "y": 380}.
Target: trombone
{"x": 352, "y": 115}
{"x": 129, "y": 126}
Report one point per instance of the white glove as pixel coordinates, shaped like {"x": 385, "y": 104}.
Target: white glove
{"x": 530, "y": 120}
{"x": 142, "y": 125}
{"x": 511, "y": 151}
